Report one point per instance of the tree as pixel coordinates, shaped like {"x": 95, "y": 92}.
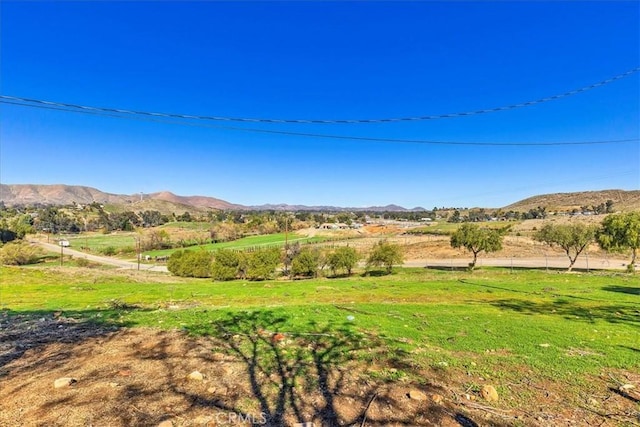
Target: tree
{"x": 476, "y": 240}
{"x": 227, "y": 265}
{"x": 190, "y": 263}
{"x": 572, "y": 238}
{"x": 306, "y": 263}
{"x": 262, "y": 263}
{"x": 621, "y": 232}
{"x": 343, "y": 258}
{"x": 386, "y": 255}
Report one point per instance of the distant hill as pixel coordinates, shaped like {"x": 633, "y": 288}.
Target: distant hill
{"x": 565, "y": 202}
{"x": 167, "y": 202}
{"x": 164, "y": 201}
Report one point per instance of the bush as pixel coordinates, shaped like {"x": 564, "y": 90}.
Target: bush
{"x": 190, "y": 263}
{"x": 306, "y": 263}
{"x": 227, "y": 265}
{"x": 108, "y": 251}
{"x": 262, "y": 263}
{"x": 19, "y": 254}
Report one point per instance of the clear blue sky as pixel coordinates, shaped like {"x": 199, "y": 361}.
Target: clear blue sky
{"x": 334, "y": 60}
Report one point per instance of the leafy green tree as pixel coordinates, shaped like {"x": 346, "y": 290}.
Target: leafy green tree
{"x": 227, "y": 265}
{"x": 306, "y": 263}
{"x": 385, "y": 254}
{"x": 572, "y": 238}
{"x": 188, "y": 263}
{"x": 343, "y": 258}
{"x": 621, "y": 232}
{"x": 261, "y": 264}
{"x": 476, "y": 240}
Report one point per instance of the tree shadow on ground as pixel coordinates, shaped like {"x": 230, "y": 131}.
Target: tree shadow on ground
{"x": 623, "y": 289}
{"x": 308, "y": 374}
{"x": 27, "y": 330}
{"x": 617, "y": 314}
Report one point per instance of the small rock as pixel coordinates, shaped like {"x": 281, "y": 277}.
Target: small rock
{"x": 545, "y": 345}
{"x": 195, "y": 376}
{"x": 124, "y": 372}
{"x": 64, "y": 382}
{"x": 114, "y": 385}
{"x": 437, "y": 398}
{"x": 417, "y": 395}
{"x": 166, "y": 423}
{"x": 489, "y": 393}
{"x": 627, "y": 387}
{"x": 593, "y": 402}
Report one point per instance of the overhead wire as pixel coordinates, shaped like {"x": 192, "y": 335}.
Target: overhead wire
{"x": 4, "y": 98}
{"x": 320, "y": 135}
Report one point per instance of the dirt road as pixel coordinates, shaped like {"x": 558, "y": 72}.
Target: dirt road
{"x": 101, "y": 259}
{"x": 555, "y": 262}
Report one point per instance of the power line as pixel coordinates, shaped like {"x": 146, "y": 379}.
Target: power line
{"x": 325, "y": 121}
{"x": 321, "y": 135}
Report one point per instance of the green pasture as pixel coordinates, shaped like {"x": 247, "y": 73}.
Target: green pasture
{"x": 249, "y": 242}
{"x": 493, "y": 322}
{"x": 97, "y": 242}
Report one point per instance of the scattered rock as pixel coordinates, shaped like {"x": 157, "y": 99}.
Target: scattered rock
{"x": 195, "y": 376}
{"x": 436, "y": 398}
{"x": 125, "y": 372}
{"x": 166, "y": 423}
{"x": 489, "y": 393}
{"x": 417, "y": 395}
{"x": 64, "y": 382}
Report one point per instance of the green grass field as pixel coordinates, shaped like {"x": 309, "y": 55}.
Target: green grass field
{"x": 277, "y": 239}
{"x": 98, "y": 242}
{"x": 563, "y": 327}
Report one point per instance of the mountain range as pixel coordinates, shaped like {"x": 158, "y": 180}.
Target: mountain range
{"x": 60, "y": 194}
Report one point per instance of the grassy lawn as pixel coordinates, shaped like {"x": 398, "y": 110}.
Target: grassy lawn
{"x": 494, "y": 323}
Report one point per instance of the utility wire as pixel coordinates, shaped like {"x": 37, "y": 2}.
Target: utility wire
{"x": 326, "y": 136}
{"x": 312, "y": 121}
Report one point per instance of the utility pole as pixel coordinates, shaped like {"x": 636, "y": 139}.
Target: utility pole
{"x": 61, "y": 252}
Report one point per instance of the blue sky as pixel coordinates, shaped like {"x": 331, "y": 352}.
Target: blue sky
{"x": 332, "y": 60}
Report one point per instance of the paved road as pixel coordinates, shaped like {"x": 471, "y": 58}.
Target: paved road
{"x": 127, "y": 265}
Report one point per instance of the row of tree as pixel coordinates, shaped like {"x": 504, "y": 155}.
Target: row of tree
{"x": 263, "y": 263}
{"x": 618, "y": 233}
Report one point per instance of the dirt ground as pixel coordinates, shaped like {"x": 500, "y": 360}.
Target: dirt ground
{"x": 140, "y": 377}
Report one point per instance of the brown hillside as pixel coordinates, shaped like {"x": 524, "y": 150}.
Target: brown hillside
{"x": 623, "y": 200}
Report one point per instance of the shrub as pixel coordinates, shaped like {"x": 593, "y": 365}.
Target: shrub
{"x": 19, "y": 254}
{"x": 227, "y": 265}
{"x": 262, "y": 263}
{"x": 190, "y": 263}
{"x": 108, "y": 251}
{"x": 306, "y": 263}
